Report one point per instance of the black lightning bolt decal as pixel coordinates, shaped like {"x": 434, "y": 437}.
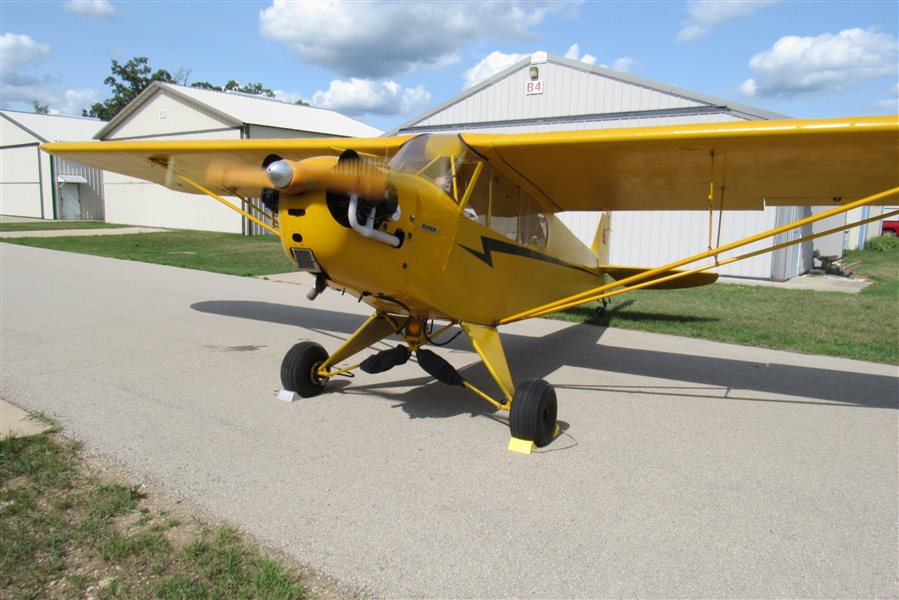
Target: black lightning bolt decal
{"x": 491, "y": 245}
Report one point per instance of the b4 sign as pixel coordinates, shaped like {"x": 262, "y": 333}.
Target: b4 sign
{"x": 534, "y": 87}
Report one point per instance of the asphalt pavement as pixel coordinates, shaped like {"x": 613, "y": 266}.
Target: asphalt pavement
{"x": 687, "y": 468}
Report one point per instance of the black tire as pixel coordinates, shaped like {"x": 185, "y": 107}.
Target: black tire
{"x": 299, "y": 368}
{"x": 533, "y": 412}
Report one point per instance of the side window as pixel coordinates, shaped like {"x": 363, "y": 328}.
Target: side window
{"x": 504, "y": 206}
{"x": 499, "y": 203}
{"x": 532, "y": 223}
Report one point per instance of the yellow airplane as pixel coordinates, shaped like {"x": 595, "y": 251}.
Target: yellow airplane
{"x": 462, "y": 229}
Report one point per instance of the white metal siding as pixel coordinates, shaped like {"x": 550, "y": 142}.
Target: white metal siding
{"x": 164, "y": 115}
{"x": 13, "y": 135}
{"x": 567, "y": 92}
{"x": 653, "y": 238}
{"x": 20, "y": 184}
{"x": 139, "y": 203}
{"x": 135, "y": 202}
{"x": 261, "y": 132}
{"x": 90, "y": 193}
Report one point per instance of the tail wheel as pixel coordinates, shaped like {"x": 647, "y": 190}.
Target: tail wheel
{"x": 299, "y": 369}
{"x": 533, "y": 412}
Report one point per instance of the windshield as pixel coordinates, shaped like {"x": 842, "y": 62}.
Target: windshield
{"x": 442, "y": 159}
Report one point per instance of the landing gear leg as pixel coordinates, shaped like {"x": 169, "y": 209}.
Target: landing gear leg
{"x": 306, "y": 366}
{"x": 532, "y": 405}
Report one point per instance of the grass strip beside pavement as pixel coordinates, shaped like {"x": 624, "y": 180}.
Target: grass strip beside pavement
{"x": 860, "y": 326}
{"x": 66, "y": 533}
{"x": 57, "y": 225}
{"x": 229, "y": 253}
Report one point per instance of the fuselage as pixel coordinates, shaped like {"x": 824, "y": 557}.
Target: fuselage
{"x": 476, "y": 252}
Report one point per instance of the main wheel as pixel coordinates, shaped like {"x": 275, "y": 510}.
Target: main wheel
{"x": 299, "y": 369}
{"x": 533, "y": 412}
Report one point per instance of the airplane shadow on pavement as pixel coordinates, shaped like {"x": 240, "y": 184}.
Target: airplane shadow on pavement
{"x": 577, "y": 346}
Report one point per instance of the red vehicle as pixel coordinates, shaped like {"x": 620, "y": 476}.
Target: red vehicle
{"x": 889, "y": 227}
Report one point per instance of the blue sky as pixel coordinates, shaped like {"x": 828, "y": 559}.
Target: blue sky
{"x": 387, "y": 62}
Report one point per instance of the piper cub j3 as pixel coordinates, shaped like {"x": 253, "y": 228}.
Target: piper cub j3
{"x": 462, "y": 229}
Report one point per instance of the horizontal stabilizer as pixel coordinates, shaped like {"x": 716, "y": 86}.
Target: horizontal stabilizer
{"x": 687, "y": 281}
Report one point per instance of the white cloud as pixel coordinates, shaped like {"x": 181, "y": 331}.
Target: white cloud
{"x": 73, "y": 101}
{"x": 289, "y": 97}
{"x": 93, "y": 8}
{"x": 890, "y": 103}
{"x": 708, "y": 14}
{"x": 18, "y": 88}
{"x": 827, "y": 63}
{"x": 365, "y": 96}
{"x": 489, "y": 66}
{"x": 574, "y": 53}
{"x": 18, "y": 51}
{"x": 382, "y": 39}
{"x": 622, "y": 64}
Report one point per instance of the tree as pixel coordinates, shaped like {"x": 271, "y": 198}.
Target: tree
{"x": 40, "y": 109}
{"x": 127, "y": 81}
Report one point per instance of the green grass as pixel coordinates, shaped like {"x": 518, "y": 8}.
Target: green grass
{"x": 64, "y": 533}
{"x": 56, "y": 225}
{"x": 228, "y": 253}
{"x": 862, "y": 326}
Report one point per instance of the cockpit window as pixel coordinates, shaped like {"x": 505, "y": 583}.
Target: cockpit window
{"x": 494, "y": 200}
{"x": 442, "y": 159}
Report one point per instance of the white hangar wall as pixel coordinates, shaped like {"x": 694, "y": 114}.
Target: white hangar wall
{"x": 35, "y": 184}
{"x": 577, "y": 96}
{"x": 132, "y": 201}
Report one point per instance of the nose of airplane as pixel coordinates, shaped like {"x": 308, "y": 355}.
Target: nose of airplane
{"x": 280, "y": 174}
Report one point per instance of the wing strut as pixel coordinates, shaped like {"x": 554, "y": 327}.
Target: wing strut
{"x": 634, "y": 282}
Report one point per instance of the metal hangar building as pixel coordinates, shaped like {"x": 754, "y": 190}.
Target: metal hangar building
{"x": 37, "y": 185}
{"x": 550, "y": 93}
{"x": 171, "y": 112}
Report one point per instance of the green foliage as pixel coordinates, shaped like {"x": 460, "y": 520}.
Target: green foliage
{"x": 882, "y": 243}
{"x": 40, "y": 109}
{"x": 255, "y": 89}
{"x": 127, "y": 82}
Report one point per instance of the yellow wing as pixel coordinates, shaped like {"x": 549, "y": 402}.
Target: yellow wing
{"x": 223, "y": 166}
{"x": 795, "y": 162}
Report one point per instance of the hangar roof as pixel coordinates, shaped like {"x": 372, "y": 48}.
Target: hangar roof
{"x": 54, "y": 128}
{"x": 247, "y": 109}
{"x": 577, "y": 95}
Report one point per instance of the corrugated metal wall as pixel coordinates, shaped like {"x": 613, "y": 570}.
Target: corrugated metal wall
{"x": 91, "y": 193}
